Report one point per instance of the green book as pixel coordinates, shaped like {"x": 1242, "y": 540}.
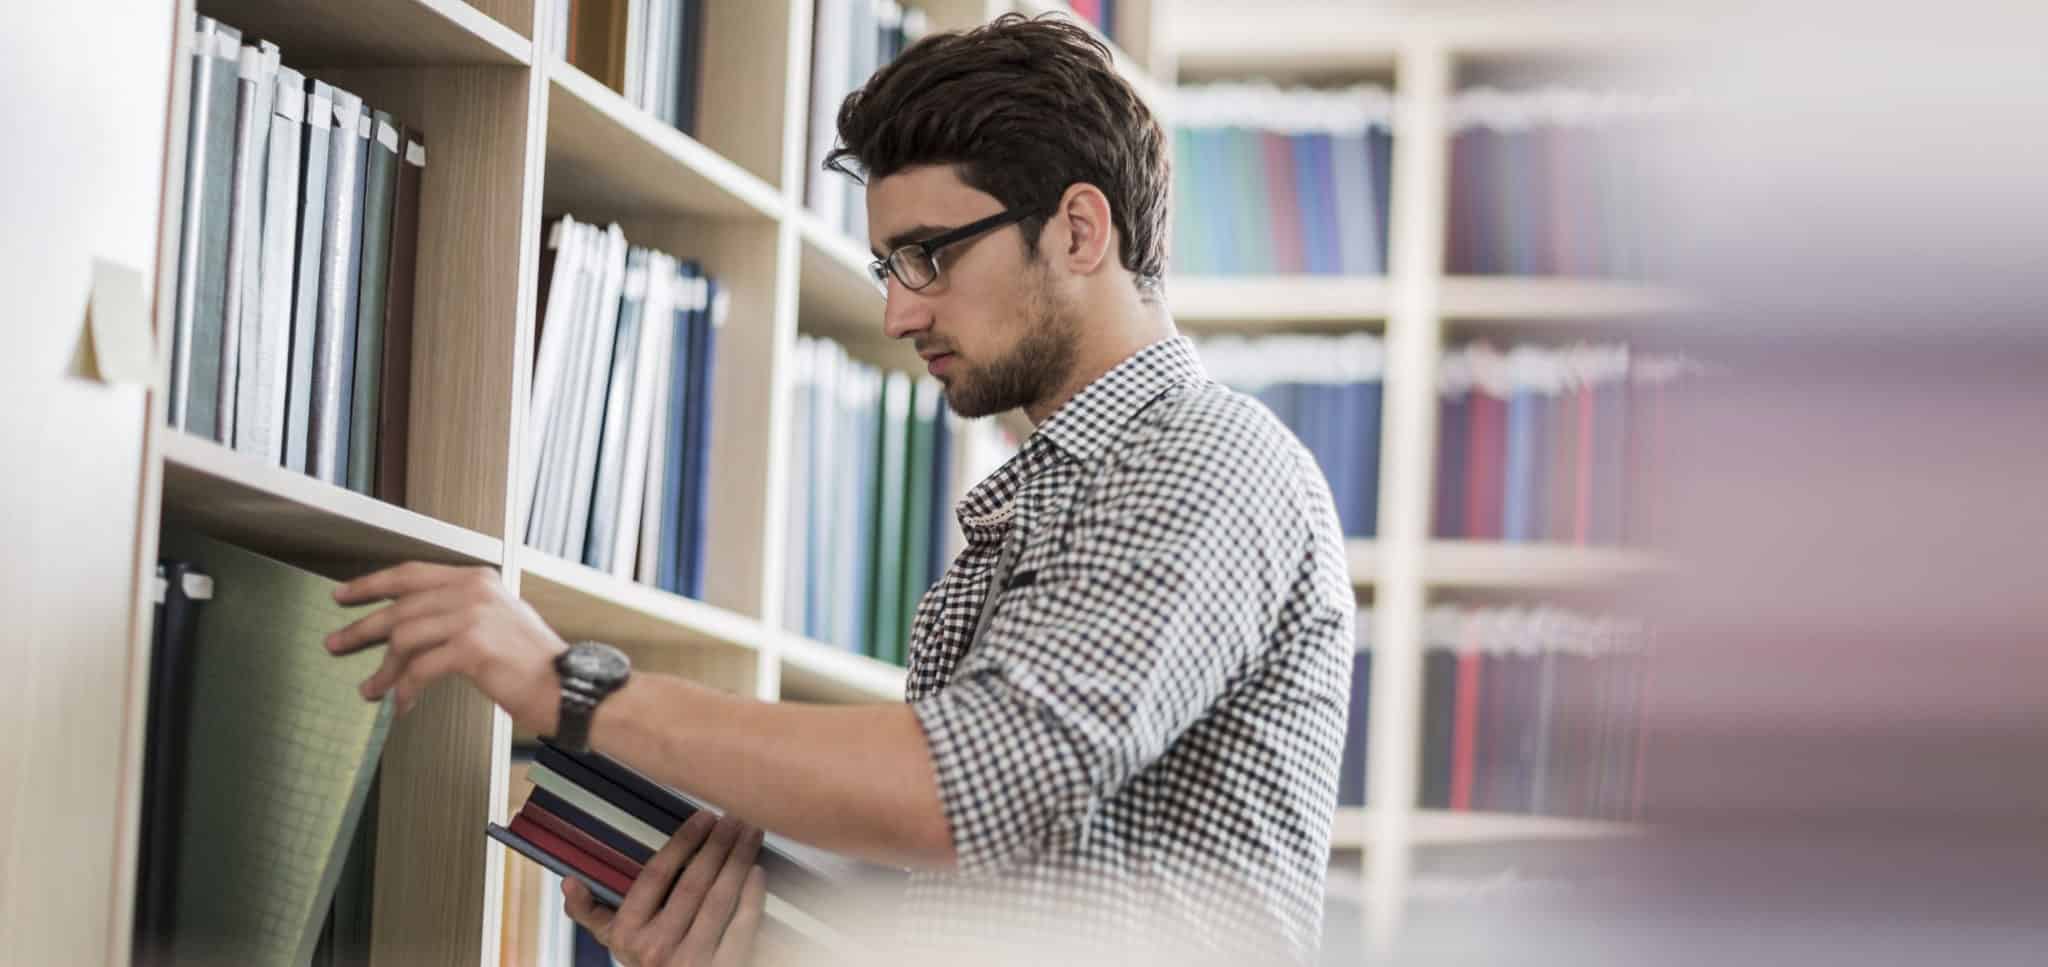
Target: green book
{"x": 280, "y": 754}
{"x": 379, "y": 189}
{"x": 886, "y": 579}
{"x": 917, "y": 506}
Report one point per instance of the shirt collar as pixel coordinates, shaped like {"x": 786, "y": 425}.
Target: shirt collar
{"x": 1080, "y": 429}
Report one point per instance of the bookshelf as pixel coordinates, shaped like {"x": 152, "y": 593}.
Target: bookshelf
{"x": 514, "y": 133}
{"x": 1439, "y": 827}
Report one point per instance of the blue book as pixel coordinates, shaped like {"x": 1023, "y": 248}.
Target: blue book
{"x": 1315, "y": 249}
{"x": 1218, "y": 200}
{"x": 797, "y": 501}
{"x": 704, "y": 331}
{"x": 1450, "y": 465}
{"x": 1520, "y": 513}
{"x": 1325, "y": 214}
{"x": 1351, "y": 773}
{"x": 828, "y": 464}
{"x": 862, "y": 428}
{"x": 1379, "y": 143}
{"x": 854, "y": 531}
{"x": 1358, "y": 248}
{"x": 1363, "y": 402}
{"x": 668, "y": 572}
{"x": 1187, "y": 212}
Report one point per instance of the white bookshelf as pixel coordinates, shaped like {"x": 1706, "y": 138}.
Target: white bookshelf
{"x": 1443, "y": 827}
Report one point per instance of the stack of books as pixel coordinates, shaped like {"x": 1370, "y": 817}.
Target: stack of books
{"x": 1553, "y": 182}
{"x": 850, "y": 40}
{"x": 1534, "y": 710}
{"x": 1327, "y": 389}
{"x": 296, "y": 265}
{"x": 877, "y": 463}
{"x": 1281, "y": 181}
{"x": 593, "y": 819}
{"x": 616, "y": 474}
{"x": 650, "y": 51}
{"x": 1543, "y": 444}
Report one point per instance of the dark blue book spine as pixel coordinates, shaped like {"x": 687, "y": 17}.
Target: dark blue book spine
{"x": 1313, "y": 244}
{"x": 578, "y": 772}
{"x": 1367, "y": 397}
{"x": 1450, "y": 466}
{"x": 702, "y": 388}
{"x": 1351, "y": 772}
{"x": 942, "y": 496}
{"x": 1379, "y": 144}
{"x": 669, "y": 570}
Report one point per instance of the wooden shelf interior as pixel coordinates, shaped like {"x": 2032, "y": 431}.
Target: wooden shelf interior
{"x": 361, "y": 33}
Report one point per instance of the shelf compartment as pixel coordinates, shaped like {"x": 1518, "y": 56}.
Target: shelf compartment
{"x": 282, "y": 513}
{"x": 816, "y": 672}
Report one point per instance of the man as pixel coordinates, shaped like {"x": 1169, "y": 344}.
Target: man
{"x": 1132, "y": 744}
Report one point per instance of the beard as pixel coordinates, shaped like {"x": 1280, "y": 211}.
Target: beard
{"x": 1034, "y": 369}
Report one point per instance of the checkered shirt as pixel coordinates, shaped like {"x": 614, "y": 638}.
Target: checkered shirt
{"x": 1144, "y": 745}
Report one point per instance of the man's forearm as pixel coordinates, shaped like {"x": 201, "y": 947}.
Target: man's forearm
{"x": 856, "y": 780}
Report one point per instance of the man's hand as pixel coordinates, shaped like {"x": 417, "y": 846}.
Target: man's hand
{"x": 706, "y": 917}
{"x": 455, "y": 620}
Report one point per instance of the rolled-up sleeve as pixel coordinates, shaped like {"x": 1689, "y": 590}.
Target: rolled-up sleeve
{"x": 1162, "y": 592}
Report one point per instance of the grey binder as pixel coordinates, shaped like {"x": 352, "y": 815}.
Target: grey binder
{"x": 252, "y": 128}
{"x": 202, "y": 254}
{"x": 306, "y": 273}
{"x": 339, "y": 257}
{"x": 378, "y": 191}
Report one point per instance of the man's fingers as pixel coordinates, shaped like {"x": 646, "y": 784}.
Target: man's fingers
{"x": 393, "y": 582}
{"x": 736, "y": 946}
{"x": 583, "y": 908}
{"x": 688, "y": 895}
{"x": 379, "y": 626}
{"x": 723, "y": 897}
{"x": 424, "y": 671}
{"x": 408, "y": 642}
{"x": 651, "y": 887}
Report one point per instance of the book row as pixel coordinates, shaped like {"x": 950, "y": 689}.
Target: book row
{"x": 1327, "y": 390}
{"x": 297, "y": 259}
{"x": 850, "y": 40}
{"x": 1551, "y": 182}
{"x": 1101, "y": 13}
{"x": 877, "y": 462}
{"x": 650, "y": 51}
{"x": 1531, "y": 710}
{"x": 258, "y": 797}
{"x": 1273, "y": 181}
{"x": 1541, "y": 444}
{"x": 616, "y": 462}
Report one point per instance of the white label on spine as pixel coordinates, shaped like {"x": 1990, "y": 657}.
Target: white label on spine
{"x": 387, "y": 136}
{"x": 227, "y": 47}
{"x": 718, "y": 307}
{"x": 345, "y": 113}
{"x": 198, "y": 587}
{"x": 291, "y": 101}
{"x": 636, "y": 283}
{"x": 363, "y": 126}
{"x": 252, "y": 63}
{"x": 416, "y": 154}
{"x": 320, "y": 113}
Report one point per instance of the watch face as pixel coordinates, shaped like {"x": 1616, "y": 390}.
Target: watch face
{"x": 596, "y": 662}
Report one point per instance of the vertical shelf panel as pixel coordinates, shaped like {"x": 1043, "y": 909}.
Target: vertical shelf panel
{"x": 433, "y": 869}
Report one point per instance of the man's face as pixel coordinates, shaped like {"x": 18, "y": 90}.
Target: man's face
{"x": 991, "y": 328}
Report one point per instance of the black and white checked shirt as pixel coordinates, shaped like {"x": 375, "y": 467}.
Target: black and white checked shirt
{"x": 1144, "y": 746}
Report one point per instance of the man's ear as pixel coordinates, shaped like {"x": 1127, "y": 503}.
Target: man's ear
{"x": 1090, "y": 232}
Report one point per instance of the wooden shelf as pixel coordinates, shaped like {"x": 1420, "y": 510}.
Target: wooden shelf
{"x": 833, "y": 287}
{"x": 607, "y": 159}
{"x": 334, "y": 33}
{"x": 275, "y": 511}
{"x": 1441, "y": 827}
{"x": 816, "y": 672}
{"x": 1476, "y": 298}
{"x": 1245, "y": 303}
{"x": 583, "y": 602}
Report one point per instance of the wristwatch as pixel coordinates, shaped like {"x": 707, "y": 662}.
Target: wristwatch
{"x": 590, "y": 670}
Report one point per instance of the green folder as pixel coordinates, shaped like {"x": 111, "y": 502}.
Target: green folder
{"x": 279, "y": 759}
{"x": 886, "y": 581}
{"x": 917, "y": 507}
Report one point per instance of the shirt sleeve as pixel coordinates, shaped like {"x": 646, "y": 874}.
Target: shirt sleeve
{"x": 1174, "y": 570}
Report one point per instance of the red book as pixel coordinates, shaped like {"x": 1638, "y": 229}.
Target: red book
{"x": 597, "y": 849}
{"x": 1089, "y": 10}
{"x": 1290, "y": 252}
{"x": 560, "y": 849}
{"x": 1486, "y": 465}
{"x": 1465, "y": 728}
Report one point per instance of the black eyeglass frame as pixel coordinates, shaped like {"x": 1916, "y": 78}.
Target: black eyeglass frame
{"x": 928, "y": 249}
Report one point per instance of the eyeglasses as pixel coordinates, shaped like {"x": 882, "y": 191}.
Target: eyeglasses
{"x": 916, "y": 265}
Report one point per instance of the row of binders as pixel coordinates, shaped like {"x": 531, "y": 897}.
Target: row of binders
{"x": 616, "y": 469}
{"x": 877, "y": 462}
{"x": 259, "y": 767}
{"x": 596, "y": 820}
{"x": 1533, "y": 710}
{"x": 850, "y": 40}
{"x": 296, "y": 267}
{"x": 1101, "y": 13}
{"x": 1557, "y": 445}
{"x": 1281, "y": 181}
{"x": 1327, "y": 390}
{"x": 1552, "y": 182}
{"x": 650, "y": 51}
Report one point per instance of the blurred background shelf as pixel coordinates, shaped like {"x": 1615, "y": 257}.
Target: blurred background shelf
{"x": 817, "y": 672}
{"x": 1440, "y": 827}
{"x": 1511, "y": 566}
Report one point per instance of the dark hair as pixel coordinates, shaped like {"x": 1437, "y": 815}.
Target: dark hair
{"x": 1024, "y": 108}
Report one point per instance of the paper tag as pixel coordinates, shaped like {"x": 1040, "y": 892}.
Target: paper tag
{"x": 252, "y": 63}
{"x": 227, "y": 46}
{"x": 636, "y": 283}
{"x": 416, "y": 154}
{"x": 387, "y": 136}
{"x": 363, "y": 126}
{"x": 320, "y": 112}
{"x": 123, "y": 349}
{"x": 291, "y": 101}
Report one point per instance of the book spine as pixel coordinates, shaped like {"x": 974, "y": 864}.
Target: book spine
{"x": 338, "y": 254}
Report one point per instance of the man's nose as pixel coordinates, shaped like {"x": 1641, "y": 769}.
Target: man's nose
{"x": 905, "y": 312}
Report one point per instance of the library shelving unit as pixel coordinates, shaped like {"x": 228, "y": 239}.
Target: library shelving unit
{"x": 516, "y": 135}
{"x": 1421, "y": 53}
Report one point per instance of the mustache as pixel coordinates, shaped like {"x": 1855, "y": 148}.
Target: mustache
{"x": 927, "y": 347}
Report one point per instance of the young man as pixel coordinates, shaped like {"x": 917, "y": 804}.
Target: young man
{"x": 1126, "y": 697}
